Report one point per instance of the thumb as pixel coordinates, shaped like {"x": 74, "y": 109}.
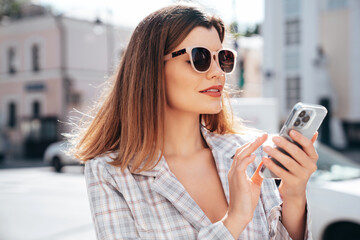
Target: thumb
{"x": 256, "y": 178}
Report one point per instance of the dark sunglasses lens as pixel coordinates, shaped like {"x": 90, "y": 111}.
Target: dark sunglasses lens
{"x": 226, "y": 60}
{"x": 201, "y": 58}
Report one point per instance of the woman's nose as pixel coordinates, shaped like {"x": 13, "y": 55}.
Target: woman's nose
{"x": 215, "y": 70}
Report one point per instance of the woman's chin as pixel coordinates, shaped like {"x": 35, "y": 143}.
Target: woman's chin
{"x": 213, "y": 110}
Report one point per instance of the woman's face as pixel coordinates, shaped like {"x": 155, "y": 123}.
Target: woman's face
{"x": 185, "y": 88}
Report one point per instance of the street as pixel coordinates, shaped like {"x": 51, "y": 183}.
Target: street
{"x": 39, "y": 204}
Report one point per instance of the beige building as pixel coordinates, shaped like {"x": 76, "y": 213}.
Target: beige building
{"x": 48, "y": 66}
{"x": 247, "y": 74}
{"x": 312, "y": 54}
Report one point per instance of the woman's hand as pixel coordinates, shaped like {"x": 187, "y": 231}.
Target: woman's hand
{"x": 301, "y": 165}
{"x": 244, "y": 192}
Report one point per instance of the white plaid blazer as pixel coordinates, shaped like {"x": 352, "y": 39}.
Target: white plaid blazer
{"x": 154, "y": 204}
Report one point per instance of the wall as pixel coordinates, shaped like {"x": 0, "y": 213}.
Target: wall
{"x": 334, "y": 37}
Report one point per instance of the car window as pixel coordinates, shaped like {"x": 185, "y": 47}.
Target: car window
{"x": 334, "y": 166}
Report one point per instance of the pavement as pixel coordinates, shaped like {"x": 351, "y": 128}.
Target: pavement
{"x": 38, "y": 204}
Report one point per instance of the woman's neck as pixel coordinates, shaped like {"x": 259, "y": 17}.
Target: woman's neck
{"x": 182, "y": 135}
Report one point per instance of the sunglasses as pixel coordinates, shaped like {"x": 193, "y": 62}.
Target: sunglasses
{"x": 200, "y": 58}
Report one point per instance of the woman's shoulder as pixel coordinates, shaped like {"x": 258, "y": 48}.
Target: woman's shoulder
{"x": 102, "y": 160}
{"x": 102, "y": 164}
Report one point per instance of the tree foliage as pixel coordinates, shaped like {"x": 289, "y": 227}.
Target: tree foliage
{"x": 249, "y": 31}
{"x": 11, "y": 8}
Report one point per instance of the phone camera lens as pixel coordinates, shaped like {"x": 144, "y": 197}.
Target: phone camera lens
{"x": 302, "y": 114}
{"x": 306, "y": 118}
{"x": 297, "y": 122}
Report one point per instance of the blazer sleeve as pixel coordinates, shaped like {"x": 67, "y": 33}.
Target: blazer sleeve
{"x": 110, "y": 213}
{"x": 272, "y": 203}
{"x": 216, "y": 231}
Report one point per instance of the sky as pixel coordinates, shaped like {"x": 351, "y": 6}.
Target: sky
{"x": 130, "y": 13}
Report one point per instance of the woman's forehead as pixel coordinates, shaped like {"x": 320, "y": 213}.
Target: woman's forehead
{"x": 201, "y": 36}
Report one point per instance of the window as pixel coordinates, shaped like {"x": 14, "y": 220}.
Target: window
{"x": 11, "y": 60}
{"x": 292, "y": 32}
{"x": 292, "y": 8}
{"x": 49, "y": 130}
{"x": 36, "y": 109}
{"x": 35, "y": 58}
{"x": 292, "y": 91}
{"x": 12, "y": 115}
{"x": 336, "y": 4}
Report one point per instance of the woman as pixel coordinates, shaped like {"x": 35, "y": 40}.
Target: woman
{"x": 159, "y": 151}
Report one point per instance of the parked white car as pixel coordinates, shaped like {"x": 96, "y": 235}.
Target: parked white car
{"x": 55, "y": 156}
{"x": 334, "y": 197}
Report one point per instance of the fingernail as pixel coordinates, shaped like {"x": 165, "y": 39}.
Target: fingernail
{"x": 276, "y": 139}
{"x": 293, "y": 133}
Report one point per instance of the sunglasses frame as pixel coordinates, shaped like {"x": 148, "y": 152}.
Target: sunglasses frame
{"x": 188, "y": 50}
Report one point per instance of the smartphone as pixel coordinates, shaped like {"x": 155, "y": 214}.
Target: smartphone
{"x": 304, "y": 118}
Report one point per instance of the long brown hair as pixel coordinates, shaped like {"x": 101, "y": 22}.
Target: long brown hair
{"x": 130, "y": 121}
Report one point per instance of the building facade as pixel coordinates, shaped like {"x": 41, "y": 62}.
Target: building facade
{"x": 50, "y": 65}
{"x": 247, "y": 74}
{"x": 312, "y": 54}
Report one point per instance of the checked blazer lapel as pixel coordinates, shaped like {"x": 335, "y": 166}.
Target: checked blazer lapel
{"x": 167, "y": 185}
{"x": 222, "y": 149}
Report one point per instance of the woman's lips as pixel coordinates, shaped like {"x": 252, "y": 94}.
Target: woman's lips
{"x": 214, "y": 91}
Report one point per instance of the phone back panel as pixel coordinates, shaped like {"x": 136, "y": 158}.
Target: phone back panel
{"x": 304, "y": 118}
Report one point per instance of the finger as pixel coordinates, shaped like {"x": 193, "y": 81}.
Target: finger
{"x": 256, "y": 178}
{"x": 291, "y": 164}
{"x": 249, "y": 149}
{"x": 237, "y": 151}
{"x": 306, "y": 144}
{"x": 294, "y": 151}
{"x": 242, "y": 166}
{"x": 279, "y": 171}
{"x": 240, "y": 149}
{"x": 313, "y": 139}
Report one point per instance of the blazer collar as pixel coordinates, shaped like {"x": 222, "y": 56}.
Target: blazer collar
{"x": 167, "y": 185}
{"x": 222, "y": 148}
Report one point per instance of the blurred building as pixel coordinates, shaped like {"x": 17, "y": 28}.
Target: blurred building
{"x": 247, "y": 74}
{"x": 48, "y": 66}
{"x": 312, "y": 54}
